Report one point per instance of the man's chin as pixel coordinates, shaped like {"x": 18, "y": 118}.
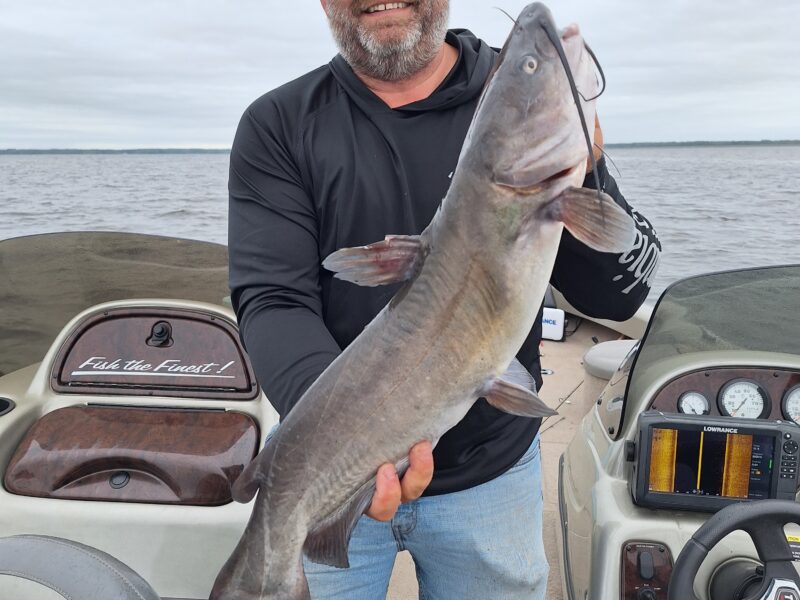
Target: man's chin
{"x": 390, "y": 37}
{"x": 388, "y": 41}
{"x": 390, "y": 45}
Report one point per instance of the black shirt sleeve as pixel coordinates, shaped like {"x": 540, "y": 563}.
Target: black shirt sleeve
{"x": 274, "y": 261}
{"x": 605, "y": 285}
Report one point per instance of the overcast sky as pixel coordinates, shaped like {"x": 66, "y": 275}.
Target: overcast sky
{"x": 179, "y": 73}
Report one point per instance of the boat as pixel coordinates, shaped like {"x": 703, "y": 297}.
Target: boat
{"x": 128, "y": 406}
{"x": 681, "y": 479}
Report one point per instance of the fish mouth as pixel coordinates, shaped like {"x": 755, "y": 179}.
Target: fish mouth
{"x": 562, "y": 173}
{"x": 523, "y": 185}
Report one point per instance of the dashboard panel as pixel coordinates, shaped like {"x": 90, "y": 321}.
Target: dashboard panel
{"x": 744, "y": 392}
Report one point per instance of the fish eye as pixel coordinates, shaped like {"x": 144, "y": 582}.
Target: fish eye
{"x": 529, "y": 64}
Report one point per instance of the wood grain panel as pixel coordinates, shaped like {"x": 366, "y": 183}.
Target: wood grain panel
{"x": 633, "y": 586}
{"x": 133, "y": 455}
{"x": 114, "y": 353}
{"x": 710, "y": 381}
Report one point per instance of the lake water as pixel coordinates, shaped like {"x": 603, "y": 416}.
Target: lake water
{"x": 714, "y": 208}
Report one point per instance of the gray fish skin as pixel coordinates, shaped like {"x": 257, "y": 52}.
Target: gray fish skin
{"x": 476, "y": 283}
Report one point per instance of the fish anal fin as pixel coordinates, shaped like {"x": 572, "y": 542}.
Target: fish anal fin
{"x": 394, "y": 259}
{"x": 327, "y": 542}
{"x": 515, "y": 393}
{"x": 601, "y": 223}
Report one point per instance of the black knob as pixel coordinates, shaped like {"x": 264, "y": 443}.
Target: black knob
{"x": 646, "y": 594}
{"x": 160, "y": 335}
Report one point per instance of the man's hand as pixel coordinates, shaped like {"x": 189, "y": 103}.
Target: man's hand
{"x": 597, "y": 147}
{"x": 390, "y": 491}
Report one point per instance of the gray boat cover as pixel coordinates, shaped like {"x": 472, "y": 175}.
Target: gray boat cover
{"x": 73, "y": 570}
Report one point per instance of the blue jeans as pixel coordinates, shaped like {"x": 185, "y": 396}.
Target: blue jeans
{"x": 484, "y": 543}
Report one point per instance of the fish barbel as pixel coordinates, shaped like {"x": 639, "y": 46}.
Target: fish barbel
{"x": 475, "y": 279}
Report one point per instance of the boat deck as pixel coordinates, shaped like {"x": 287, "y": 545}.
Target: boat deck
{"x": 565, "y": 389}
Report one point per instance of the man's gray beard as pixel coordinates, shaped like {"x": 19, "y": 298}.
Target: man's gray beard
{"x": 391, "y": 61}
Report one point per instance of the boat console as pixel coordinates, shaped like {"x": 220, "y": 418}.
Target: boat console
{"x": 700, "y": 422}
{"x": 128, "y": 436}
{"x": 127, "y": 409}
{"x": 99, "y": 450}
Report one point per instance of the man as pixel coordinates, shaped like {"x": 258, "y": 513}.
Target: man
{"x": 355, "y": 150}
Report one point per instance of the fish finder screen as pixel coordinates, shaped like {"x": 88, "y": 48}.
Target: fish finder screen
{"x": 704, "y": 463}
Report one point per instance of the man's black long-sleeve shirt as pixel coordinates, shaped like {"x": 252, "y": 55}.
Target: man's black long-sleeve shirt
{"x": 320, "y": 164}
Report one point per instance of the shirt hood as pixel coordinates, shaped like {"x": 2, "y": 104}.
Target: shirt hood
{"x": 464, "y": 82}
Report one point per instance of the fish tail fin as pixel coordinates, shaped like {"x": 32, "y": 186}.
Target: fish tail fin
{"x": 291, "y": 586}
{"x": 255, "y": 572}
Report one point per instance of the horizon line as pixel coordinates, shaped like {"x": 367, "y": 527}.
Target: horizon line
{"x": 201, "y": 150}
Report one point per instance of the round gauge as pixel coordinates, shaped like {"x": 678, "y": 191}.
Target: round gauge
{"x": 743, "y": 398}
{"x": 791, "y": 404}
{"x": 693, "y": 403}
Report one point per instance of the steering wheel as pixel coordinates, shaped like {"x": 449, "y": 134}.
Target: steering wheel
{"x": 763, "y": 521}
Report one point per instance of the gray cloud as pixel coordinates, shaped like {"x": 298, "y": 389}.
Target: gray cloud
{"x": 152, "y": 73}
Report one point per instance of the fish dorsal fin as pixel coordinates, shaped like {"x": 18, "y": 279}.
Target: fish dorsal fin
{"x": 600, "y": 224}
{"x": 514, "y": 392}
{"x": 327, "y": 542}
{"x": 395, "y": 259}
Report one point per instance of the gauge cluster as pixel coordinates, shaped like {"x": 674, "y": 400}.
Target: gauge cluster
{"x": 744, "y": 393}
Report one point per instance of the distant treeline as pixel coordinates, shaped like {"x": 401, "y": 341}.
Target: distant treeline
{"x": 227, "y": 150}
{"x": 704, "y": 143}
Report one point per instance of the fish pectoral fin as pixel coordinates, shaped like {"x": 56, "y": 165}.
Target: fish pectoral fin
{"x": 327, "y": 542}
{"x": 515, "y": 393}
{"x": 517, "y": 373}
{"x": 394, "y": 259}
{"x": 600, "y": 224}
{"x": 517, "y": 400}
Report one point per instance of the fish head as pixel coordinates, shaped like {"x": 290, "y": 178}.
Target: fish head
{"x": 527, "y": 131}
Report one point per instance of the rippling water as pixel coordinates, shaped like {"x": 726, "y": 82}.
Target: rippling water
{"x": 714, "y": 207}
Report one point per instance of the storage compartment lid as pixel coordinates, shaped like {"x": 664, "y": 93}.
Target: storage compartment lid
{"x": 137, "y": 351}
{"x": 123, "y": 454}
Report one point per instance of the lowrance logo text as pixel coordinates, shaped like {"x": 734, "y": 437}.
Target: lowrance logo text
{"x": 721, "y": 429}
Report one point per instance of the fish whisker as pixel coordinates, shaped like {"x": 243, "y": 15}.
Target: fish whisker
{"x": 554, "y": 39}
{"x": 608, "y": 156}
{"x": 599, "y": 69}
{"x": 513, "y": 20}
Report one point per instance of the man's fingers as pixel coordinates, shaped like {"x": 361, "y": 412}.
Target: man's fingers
{"x": 597, "y": 145}
{"x": 420, "y": 471}
{"x": 390, "y": 491}
{"x": 387, "y": 494}
{"x": 598, "y": 139}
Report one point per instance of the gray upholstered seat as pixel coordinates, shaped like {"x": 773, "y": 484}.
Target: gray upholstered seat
{"x": 72, "y": 570}
{"x": 603, "y": 359}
